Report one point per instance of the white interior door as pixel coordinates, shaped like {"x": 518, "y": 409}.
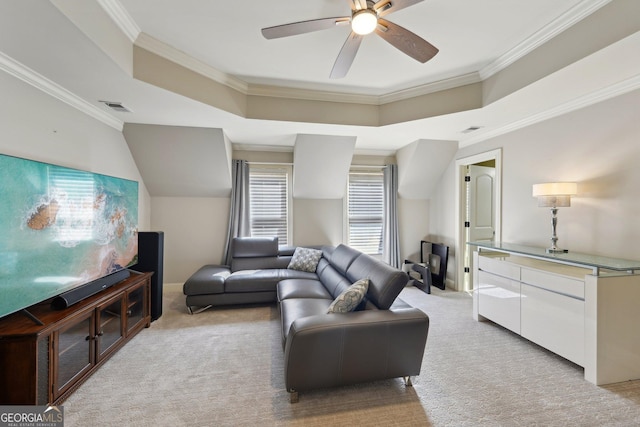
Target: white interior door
{"x": 482, "y": 214}
{"x": 481, "y": 199}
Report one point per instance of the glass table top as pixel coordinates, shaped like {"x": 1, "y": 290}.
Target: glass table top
{"x": 573, "y": 258}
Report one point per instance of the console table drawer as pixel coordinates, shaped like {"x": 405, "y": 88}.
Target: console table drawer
{"x": 554, "y": 321}
{"x": 499, "y": 300}
{"x": 553, "y": 282}
{"x": 499, "y": 266}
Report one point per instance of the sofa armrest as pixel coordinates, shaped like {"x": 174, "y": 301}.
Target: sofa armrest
{"x": 337, "y": 349}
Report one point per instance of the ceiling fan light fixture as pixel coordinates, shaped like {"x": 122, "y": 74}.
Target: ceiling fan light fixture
{"x": 364, "y": 22}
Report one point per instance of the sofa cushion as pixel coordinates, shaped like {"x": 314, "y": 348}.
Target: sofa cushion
{"x": 330, "y": 278}
{"x": 305, "y": 259}
{"x": 251, "y": 247}
{"x": 253, "y": 253}
{"x": 286, "y": 250}
{"x": 259, "y": 263}
{"x": 342, "y": 257}
{"x": 385, "y": 282}
{"x": 209, "y": 279}
{"x": 262, "y": 280}
{"x": 296, "y": 308}
{"x": 349, "y": 299}
{"x": 302, "y": 288}
{"x": 327, "y": 251}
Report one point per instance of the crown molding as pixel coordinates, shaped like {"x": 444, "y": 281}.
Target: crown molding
{"x": 428, "y": 88}
{"x": 376, "y": 152}
{"x": 311, "y": 94}
{"x": 289, "y": 149}
{"x": 121, "y": 17}
{"x": 166, "y": 51}
{"x": 259, "y": 147}
{"x": 317, "y": 95}
{"x": 592, "y": 98}
{"x": 543, "y": 35}
{"x": 126, "y": 23}
{"x": 153, "y": 45}
{"x": 38, "y": 81}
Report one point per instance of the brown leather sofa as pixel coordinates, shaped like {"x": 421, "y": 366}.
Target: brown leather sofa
{"x": 382, "y": 338}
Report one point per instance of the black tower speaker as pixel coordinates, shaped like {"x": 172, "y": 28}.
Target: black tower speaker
{"x": 151, "y": 258}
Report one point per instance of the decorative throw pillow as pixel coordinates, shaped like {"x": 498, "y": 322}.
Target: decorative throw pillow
{"x": 305, "y": 259}
{"x": 349, "y": 299}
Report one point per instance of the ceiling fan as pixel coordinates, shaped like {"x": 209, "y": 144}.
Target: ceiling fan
{"x": 366, "y": 17}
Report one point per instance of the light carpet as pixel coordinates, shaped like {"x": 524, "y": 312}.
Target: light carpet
{"x": 224, "y": 367}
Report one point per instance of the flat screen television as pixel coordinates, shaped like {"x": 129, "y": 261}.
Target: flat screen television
{"x": 61, "y": 228}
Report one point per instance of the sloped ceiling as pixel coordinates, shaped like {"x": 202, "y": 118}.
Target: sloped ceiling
{"x": 421, "y": 165}
{"x": 179, "y": 161}
{"x": 321, "y": 166}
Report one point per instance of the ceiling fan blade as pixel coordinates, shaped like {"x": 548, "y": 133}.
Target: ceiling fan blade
{"x": 358, "y": 4}
{"x": 406, "y": 41}
{"x": 385, "y": 7}
{"x": 346, "y": 56}
{"x": 302, "y": 27}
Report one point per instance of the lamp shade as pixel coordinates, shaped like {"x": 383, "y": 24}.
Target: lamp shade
{"x": 555, "y": 194}
{"x": 555, "y": 189}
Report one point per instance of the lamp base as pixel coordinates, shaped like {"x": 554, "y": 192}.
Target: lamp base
{"x": 557, "y": 251}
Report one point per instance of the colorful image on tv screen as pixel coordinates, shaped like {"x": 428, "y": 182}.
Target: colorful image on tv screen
{"x": 61, "y": 228}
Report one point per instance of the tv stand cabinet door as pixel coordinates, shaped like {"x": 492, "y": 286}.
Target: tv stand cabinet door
{"x": 137, "y": 313}
{"x": 73, "y": 353}
{"x": 110, "y": 326}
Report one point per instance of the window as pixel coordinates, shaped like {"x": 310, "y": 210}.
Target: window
{"x": 269, "y": 201}
{"x": 365, "y": 211}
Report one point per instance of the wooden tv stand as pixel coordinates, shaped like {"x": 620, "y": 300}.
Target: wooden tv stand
{"x": 44, "y": 364}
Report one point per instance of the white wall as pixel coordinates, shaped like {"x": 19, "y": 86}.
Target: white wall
{"x": 195, "y": 231}
{"x": 598, "y": 147}
{"x": 39, "y": 127}
{"x": 317, "y": 221}
{"x": 413, "y": 226}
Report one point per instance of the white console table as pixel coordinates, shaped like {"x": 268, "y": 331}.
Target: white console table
{"x": 583, "y": 307}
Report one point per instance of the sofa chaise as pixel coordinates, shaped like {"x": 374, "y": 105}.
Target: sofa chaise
{"x": 257, "y": 265}
{"x": 327, "y": 342}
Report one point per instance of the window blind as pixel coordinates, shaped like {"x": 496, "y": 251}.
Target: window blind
{"x": 366, "y": 211}
{"x": 268, "y": 192}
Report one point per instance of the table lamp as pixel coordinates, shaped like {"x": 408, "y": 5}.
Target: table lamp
{"x": 554, "y": 195}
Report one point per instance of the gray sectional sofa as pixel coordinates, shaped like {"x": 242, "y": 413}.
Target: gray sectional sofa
{"x": 257, "y": 265}
{"x": 382, "y": 338}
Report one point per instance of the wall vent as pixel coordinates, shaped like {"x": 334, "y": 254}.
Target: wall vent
{"x": 116, "y": 106}
{"x": 471, "y": 129}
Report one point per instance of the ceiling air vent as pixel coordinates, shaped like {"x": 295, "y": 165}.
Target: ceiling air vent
{"x": 116, "y": 106}
{"x": 471, "y": 129}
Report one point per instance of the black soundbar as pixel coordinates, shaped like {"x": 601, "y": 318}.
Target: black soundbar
{"x": 73, "y": 296}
